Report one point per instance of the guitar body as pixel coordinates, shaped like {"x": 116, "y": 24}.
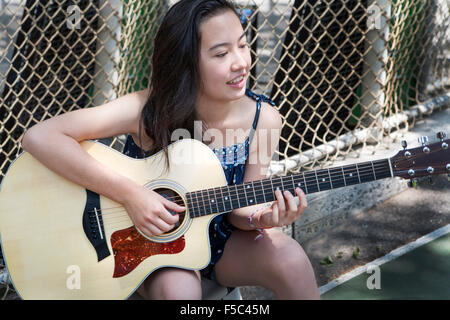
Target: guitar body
{"x": 45, "y": 246}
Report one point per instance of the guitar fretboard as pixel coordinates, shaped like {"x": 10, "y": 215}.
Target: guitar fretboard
{"x": 228, "y": 198}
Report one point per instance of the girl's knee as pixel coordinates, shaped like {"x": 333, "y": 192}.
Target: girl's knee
{"x": 172, "y": 284}
{"x": 288, "y": 259}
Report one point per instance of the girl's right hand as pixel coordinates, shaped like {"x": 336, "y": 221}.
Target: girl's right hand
{"x": 149, "y": 212}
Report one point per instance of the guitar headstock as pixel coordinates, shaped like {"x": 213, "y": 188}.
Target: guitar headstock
{"x": 427, "y": 160}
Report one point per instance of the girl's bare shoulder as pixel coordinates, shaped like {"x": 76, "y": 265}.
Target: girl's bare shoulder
{"x": 268, "y": 128}
{"x": 270, "y": 117}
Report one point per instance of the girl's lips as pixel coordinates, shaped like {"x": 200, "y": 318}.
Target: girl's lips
{"x": 239, "y": 84}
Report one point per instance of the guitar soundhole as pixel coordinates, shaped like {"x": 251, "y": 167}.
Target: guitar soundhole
{"x": 174, "y": 197}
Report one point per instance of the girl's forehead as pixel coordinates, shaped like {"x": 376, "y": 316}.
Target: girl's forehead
{"x": 223, "y": 26}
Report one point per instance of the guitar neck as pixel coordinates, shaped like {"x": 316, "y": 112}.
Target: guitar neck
{"x": 227, "y": 198}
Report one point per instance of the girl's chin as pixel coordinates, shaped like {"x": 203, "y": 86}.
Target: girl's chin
{"x": 237, "y": 92}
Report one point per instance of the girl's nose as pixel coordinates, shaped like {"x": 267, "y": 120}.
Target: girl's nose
{"x": 239, "y": 62}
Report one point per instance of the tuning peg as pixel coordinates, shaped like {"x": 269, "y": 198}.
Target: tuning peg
{"x": 424, "y": 140}
{"x": 442, "y": 135}
{"x": 404, "y": 144}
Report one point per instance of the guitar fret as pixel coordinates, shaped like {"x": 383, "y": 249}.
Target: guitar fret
{"x": 272, "y": 191}
{"x": 189, "y": 205}
{"x": 357, "y": 172}
{"x": 220, "y": 206}
{"x": 247, "y": 189}
{"x": 207, "y": 203}
{"x": 285, "y": 184}
{"x": 323, "y": 176}
{"x": 343, "y": 176}
{"x": 275, "y": 186}
{"x": 200, "y": 206}
{"x": 317, "y": 180}
{"x": 390, "y": 168}
{"x": 213, "y": 201}
{"x": 338, "y": 178}
{"x": 349, "y": 178}
{"x": 304, "y": 183}
{"x": 201, "y": 202}
{"x": 373, "y": 170}
{"x": 245, "y": 194}
{"x": 263, "y": 191}
{"x": 386, "y": 170}
{"x": 209, "y": 200}
{"x": 237, "y": 196}
{"x": 229, "y": 199}
{"x": 248, "y": 192}
{"x": 367, "y": 174}
{"x": 190, "y": 201}
{"x": 223, "y": 200}
{"x": 271, "y": 183}
{"x": 331, "y": 182}
{"x": 311, "y": 181}
{"x": 297, "y": 184}
{"x": 254, "y": 193}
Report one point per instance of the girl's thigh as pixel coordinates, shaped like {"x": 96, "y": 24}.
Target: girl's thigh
{"x": 172, "y": 284}
{"x": 247, "y": 261}
{"x": 275, "y": 261}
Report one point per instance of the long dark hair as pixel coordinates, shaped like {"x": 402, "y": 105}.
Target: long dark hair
{"x": 175, "y": 76}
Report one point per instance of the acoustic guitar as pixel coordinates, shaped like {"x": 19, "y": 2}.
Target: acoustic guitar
{"x": 61, "y": 241}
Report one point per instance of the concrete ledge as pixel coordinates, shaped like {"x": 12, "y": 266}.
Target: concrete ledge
{"x": 328, "y": 209}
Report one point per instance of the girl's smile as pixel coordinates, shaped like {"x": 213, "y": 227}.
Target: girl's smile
{"x": 238, "y": 82}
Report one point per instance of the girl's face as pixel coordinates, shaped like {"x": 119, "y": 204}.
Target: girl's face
{"x": 224, "y": 60}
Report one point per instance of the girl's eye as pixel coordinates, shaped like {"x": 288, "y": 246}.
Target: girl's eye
{"x": 221, "y": 55}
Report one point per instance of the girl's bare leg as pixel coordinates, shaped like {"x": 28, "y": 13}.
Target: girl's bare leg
{"x": 276, "y": 262}
{"x": 172, "y": 284}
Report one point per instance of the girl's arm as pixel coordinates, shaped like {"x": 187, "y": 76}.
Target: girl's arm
{"x": 284, "y": 210}
{"x": 55, "y": 143}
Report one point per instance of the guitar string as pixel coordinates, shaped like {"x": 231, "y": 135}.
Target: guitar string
{"x": 241, "y": 188}
{"x": 356, "y": 166}
{"x": 279, "y": 183}
{"x": 128, "y": 220}
{"x": 204, "y": 196}
{"x": 309, "y": 182}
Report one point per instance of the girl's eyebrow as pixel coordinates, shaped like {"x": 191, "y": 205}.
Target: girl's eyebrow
{"x": 224, "y": 43}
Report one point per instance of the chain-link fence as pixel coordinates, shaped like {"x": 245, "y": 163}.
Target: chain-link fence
{"x": 341, "y": 72}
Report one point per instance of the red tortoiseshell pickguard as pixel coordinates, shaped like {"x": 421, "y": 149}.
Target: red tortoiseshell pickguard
{"x": 131, "y": 248}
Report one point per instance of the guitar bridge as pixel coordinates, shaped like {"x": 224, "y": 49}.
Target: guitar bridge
{"x": 93, "y": 225}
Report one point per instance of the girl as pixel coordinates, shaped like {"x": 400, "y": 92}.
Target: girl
{"x": 201, "y": 63}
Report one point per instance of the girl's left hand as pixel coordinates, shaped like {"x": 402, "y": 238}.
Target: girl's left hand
{"x": 283, "y": 211}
